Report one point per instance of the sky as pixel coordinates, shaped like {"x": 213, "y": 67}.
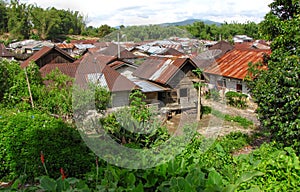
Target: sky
{"x": 143, "y": 12}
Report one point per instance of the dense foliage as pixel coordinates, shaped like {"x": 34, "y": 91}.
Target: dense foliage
{"x": 277, "y": 90}
{"x": 224, "y": 31}
{"x": 204, "y": 164}
{"x": 24, "y": 135}
{"x": 143, "y": 33}
{"x": 27, "y": 20}
{"x": 23, "y": 21}
{"x": 217, "y": 169}
{"x": 54, "y": 98}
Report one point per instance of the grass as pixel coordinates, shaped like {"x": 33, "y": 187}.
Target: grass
{"x": 244, "y": 122}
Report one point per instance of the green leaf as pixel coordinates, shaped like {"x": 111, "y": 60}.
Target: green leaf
{"x": 230, "y": 188}
{"x": 48, "y": 184}
{"x": 138, "y": 188}
{"x": 214, "y": 182}
{"x": 246, "y": 176}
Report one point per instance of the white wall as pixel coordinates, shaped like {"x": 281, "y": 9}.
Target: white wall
{"x": 230, "y": 83}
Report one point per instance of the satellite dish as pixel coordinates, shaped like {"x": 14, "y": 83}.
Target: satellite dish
{"x": 209, "y": 54}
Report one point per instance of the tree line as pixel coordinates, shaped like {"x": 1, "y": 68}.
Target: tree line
{"x": 24, "y": 21}
{"x": 224, "y": 31}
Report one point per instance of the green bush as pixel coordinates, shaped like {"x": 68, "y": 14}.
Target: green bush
{"x": 24, "y": 135}
{"x": 205, "y": 110}
{"x": 236, "y": 99}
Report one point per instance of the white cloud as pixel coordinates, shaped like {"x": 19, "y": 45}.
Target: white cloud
{"x": 139, "y": 12}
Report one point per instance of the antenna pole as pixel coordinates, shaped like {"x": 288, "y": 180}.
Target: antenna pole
{"x": 118, "y": 45}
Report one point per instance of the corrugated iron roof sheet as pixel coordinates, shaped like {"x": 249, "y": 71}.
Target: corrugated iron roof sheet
{"x": 147, "y": 86}
{"x": 65, "y": 45}
{"x": 224, "y": 46}
{"x": 97, "y": 63}
{"x": 172, "y": 51}
{"x": 234, "y": 64}
{"x": 85, "y": 41}
{"x": 66, "y": 68}
{"x": 160, "y": 69}
{"x": 112, "y": 50}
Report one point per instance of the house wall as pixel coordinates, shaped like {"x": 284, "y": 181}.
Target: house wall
{"x": 184, "y": 86}
{"x": 120, "y": 99}
{"x": 53, "y": 57}
{"x": 151, "y": 97}
{"x": 230, "y": 83}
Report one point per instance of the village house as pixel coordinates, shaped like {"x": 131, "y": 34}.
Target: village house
{"x": 49, "y": 55}
{"x": 174, "y": 75}
{"x": 94, "y": 68}
{"x": 229, "y": 71}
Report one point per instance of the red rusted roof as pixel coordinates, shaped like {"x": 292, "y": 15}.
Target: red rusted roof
{"x": 116, "y": 64}
{"x": 65, "y": 45}
{"x": 234, "y": 64}
{"x": 161, "y": 69}
{"x": 85, "y": 41}
{"x": 44, "y": 51}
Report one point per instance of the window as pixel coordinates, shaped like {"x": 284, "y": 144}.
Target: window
{"x": 183, "y": 92}
{"x": 239, "y": 87}
{"x": 221, "y": 83}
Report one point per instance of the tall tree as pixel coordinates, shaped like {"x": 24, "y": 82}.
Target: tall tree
{"x": 104, "y": 30}
{"x": 18, "y": 20}
{"x": 277, "y": 90}
{"x": 3, "y": 17}
{"x": 45, "y": 21}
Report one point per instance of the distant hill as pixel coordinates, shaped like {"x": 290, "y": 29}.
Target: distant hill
{"x": 189, "y": 22}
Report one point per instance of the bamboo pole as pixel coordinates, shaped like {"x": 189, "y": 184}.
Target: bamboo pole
{"x": 29, "y": 90}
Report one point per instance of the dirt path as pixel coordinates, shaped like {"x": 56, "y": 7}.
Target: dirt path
{"x": 212, "y": 126}
{"x": 226, "y": 109}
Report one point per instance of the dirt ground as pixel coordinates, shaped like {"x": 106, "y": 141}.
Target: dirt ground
{"x": 210, "y": 125}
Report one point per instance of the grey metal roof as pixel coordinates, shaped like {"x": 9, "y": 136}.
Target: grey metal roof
{"x": 84, "y": 46}
{"x": 147, "y": 86}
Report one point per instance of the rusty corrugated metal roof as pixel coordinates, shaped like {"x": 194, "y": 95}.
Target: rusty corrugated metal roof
{"x": 84, "y": 41}
{"x": 161, "y": 69}
{"x": 172, "y": 51}
{"x": 112, "y": 50}
{"x": 65, "y": 45}
{"x": 234, "y": 64}
{"x": 224, "y": 46}
{"x": 66, "y": 68}
{"x": 97, "y": 64}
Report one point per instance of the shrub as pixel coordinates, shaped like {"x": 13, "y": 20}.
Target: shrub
{"x": 24, "y": 135}
{"x": 236, "y": 99}
{"x": 205, "y": 110}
